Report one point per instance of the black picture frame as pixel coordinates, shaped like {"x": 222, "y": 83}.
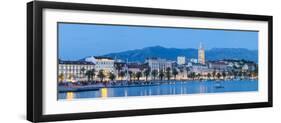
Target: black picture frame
{"x": 35, "y": 69}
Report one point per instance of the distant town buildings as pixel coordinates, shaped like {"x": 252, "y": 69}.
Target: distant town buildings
{"x": 181, "y": 60}
{"x": 99, "y": 68}
{"x": 218, "y": 65}
{"x": 136, "y": 67}
{"x": 193, "y": 60}
{"x": 200, "y": 68}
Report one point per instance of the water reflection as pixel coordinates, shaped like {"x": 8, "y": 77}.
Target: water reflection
{"x": 167, "y": 89}
{"x": 104, "y": 93}
{"x": 70, "y": 95}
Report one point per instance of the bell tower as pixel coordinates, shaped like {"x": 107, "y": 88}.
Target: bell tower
{"x": 201, "y": 54}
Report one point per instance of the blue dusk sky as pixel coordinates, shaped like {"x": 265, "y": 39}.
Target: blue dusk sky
{"x": 77, "y": 41}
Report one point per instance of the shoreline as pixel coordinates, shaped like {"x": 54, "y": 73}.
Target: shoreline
{"x": 91, "y": 86}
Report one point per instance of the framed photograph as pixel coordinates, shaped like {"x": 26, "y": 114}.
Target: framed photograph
{"x": 94, "y": 61}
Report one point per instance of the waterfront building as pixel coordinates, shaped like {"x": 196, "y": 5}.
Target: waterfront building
{"x": 120, "y": 66}
{"x": 158, "y": 63}
{"x": 200, "y": 68}
{"x": 218, "y": 65}
{"x": 72, "y": 71}
{"x": 137, "y": 67}
{"x": 181, "y": 60}
{"x": 201, "y": 54}
{"x": 104, "y": 63}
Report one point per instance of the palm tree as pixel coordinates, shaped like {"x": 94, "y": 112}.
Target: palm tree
{"x": 130, "y": 75}
{"x": 118, "y": 68}
{"x": 82, "y": 70}
{"x": 111, "y": 76}
{"x": 192, "y": 75}
{"x": 168, "y": 73}
{"x": 101, "y": 75}
{"x": 230, "y": 74}
{"x": 214, "y": 74}
{"x": 134, "y": 76}
{"x": 175, "y": 73}
{"x": 219, "y": 75}
{"x": 146, "y": 73}
{"x": 122, "y": 74}
{"x": 249, "y": 74}
{"x": 181, "y": 71}
{"x": 93, "y": 73}
{"x": 187, "y": 69}
{"x": 161, "y": 74}
{"x": 61, "y": 77}
{"x": 138, "y": 75}
{"x": 235, "y": 74}
{"x": 69, "y": 77}
{"x": 240, "y": 74}
{"x": 90, "y": 74}
{"x": 223, "y": 74}
{"x": 209, "y": 75}
{"x": 154, "y": 73}
{"x": 198, "y": 76}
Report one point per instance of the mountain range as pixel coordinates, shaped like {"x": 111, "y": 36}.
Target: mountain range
{"x": 139, "y": 55}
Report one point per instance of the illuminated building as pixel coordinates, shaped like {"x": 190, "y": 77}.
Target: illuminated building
{"x": 201, "y": 54}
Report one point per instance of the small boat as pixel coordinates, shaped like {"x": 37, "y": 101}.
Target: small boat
{"x": 218, "y": 85}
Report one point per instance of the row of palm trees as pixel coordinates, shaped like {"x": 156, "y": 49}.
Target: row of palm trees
{"x": 90, "y": 74}
{"x": 224, "y": 75}
{"x": 162, "y": 74}
{"x": 146, "y": 73}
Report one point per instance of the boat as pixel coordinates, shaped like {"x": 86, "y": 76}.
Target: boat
{"x": 218, "y": 85}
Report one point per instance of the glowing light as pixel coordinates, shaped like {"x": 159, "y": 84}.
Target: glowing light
{"x": 70, "y": 95}
{"x": 104, "y": 93}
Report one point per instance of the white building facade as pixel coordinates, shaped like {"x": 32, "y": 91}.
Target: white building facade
{"x": 181, "y": 60}
{"x": 73, "y": 71}
{"x": 104, "y": 63}
{"x": 158, "y": 64}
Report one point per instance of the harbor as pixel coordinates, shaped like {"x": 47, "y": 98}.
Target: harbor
{"x": 171, "y": 88}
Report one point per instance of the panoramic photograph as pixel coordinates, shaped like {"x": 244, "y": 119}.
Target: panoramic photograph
{"x": 115, "y": 61}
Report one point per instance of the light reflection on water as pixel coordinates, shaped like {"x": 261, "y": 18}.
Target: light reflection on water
{"x": 167, "y": 89}
{"x": 103, "y": 92}
{"x": 70, "y": 96}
